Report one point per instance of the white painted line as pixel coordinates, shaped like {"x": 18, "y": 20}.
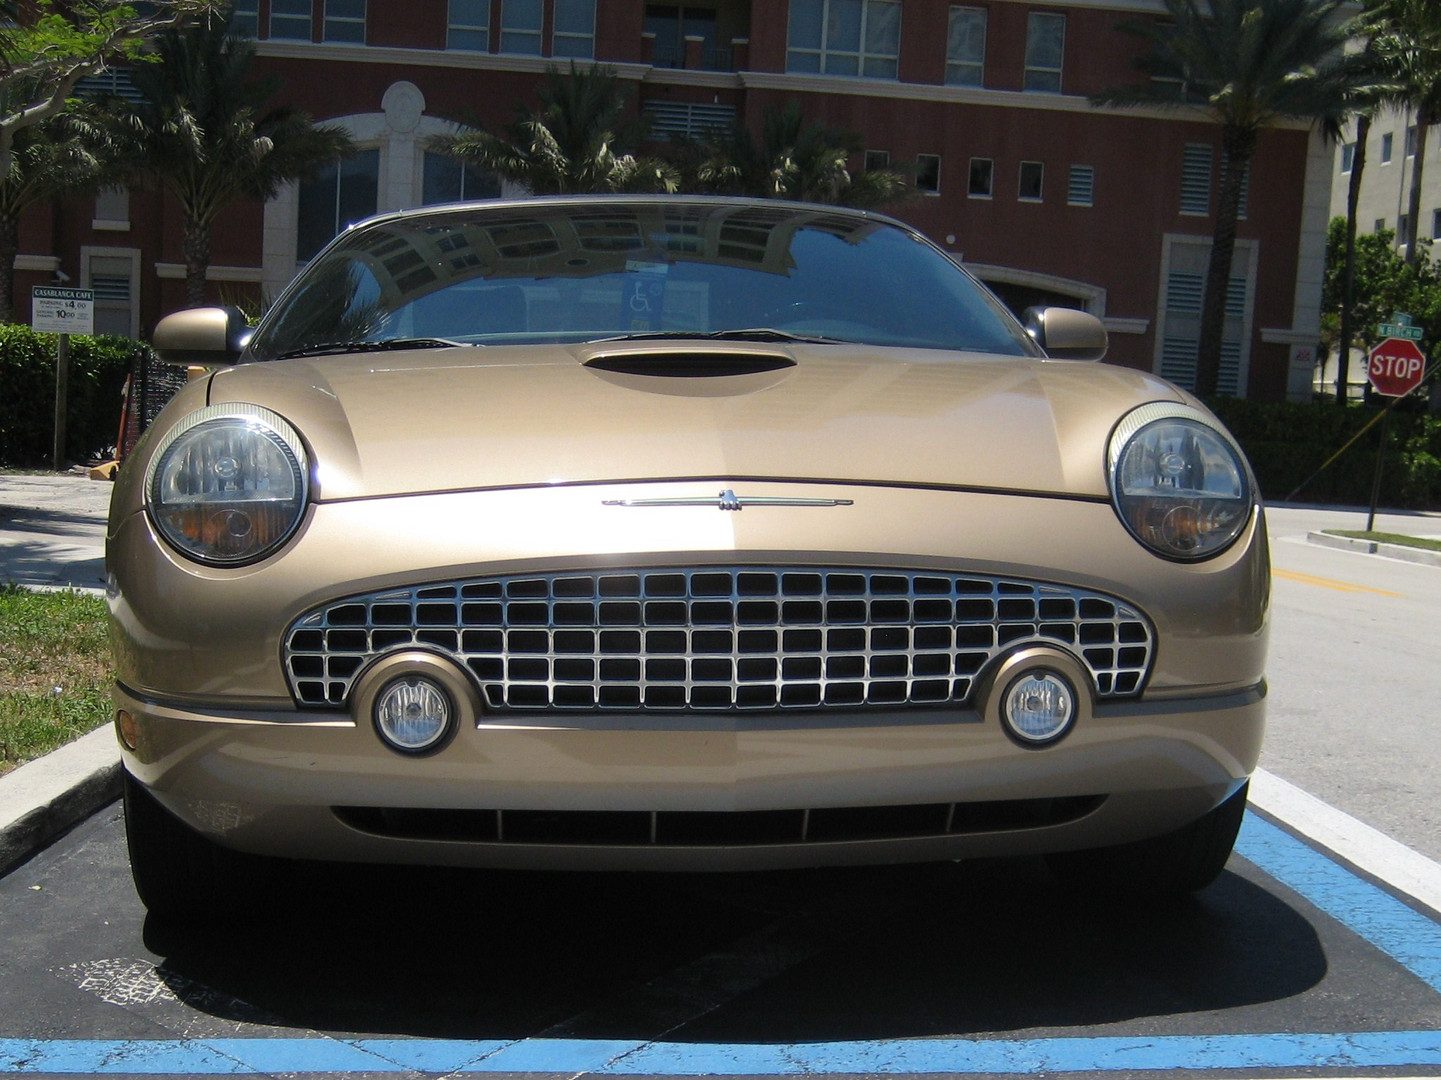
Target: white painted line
{"x": 1369, "y": 849}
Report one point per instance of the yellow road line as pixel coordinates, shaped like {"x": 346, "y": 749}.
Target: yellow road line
{"x": 1328, "y": 583}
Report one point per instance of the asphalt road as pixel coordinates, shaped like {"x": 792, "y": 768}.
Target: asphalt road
{"x": 1355, "y": 675}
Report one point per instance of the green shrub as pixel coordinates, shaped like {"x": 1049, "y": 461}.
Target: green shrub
{"x": 1288, "y": 442}
{"x": 98, "y": 367}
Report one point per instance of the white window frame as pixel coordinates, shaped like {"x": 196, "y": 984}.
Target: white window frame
{"x": 89, "y": 253}
{"x": 936, "y": 190}
{"x": 559, "y": 36}
{"x": 452, "y": 24}
{"x": 958, "y": 64}
{"x": 1038, "y": 167}
{"x": 296, "y": 19}
{"x": 990, "y": 192}
{"x": 861, "y": 54}
{"x": 340, "y": 22}
{"x": 1037, "y": 65}
{"x": 513, "y": 34}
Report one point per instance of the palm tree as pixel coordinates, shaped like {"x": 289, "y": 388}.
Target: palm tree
{"x": 570, "y": 145}
{"x": 1409, "y": 48}
{"x": 794, "y": 159}
{"x": 1250, "y": 64}
{"x": 48, "y": 158}
{"x": 203, "y": 132}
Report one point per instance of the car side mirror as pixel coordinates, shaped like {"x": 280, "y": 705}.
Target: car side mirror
{"x": 1067, "y": 334}
{"x": 211, "y": 336}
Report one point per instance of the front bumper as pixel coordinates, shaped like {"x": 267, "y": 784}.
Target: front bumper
{"x": 273, "y": 785}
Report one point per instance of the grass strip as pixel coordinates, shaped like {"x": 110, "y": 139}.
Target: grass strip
{"x": 1422, "y": 542}
{"x": 55, "y": 671}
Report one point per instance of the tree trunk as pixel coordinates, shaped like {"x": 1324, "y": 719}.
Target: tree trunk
{"x": 1348, "y": 281}
{"x": 1413, "y": 209}
{"x": 1238, "y": 146}
{"x": 9, "y": 251}
{"x": 197, "y": 261}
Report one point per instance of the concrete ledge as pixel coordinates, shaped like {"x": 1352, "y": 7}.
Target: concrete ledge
{"x": 43, "y": 799}
{"x": 1371, "y": 547}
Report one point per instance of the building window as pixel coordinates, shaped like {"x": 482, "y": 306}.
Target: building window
{"x": 1386, "y": 141}
{"x": 290, "y": 19}
{"x": 928, "y": 173}
{"x": 520, "y": 24}
{"x": 468, "y": 28}
{"x": 1348, "y": 157}
{"x": 671, "y": 24}
{"x": 966, "y": 47}
{"x": 1411, "y": 141}
{"x": 245, "y": 18}
{"x": 1403, "y": 230}
{"x": 1081, "y": 189}
{"x": 340, "y": 195}
{"x": 982, "y": 178}
{"x": 448, "y": 180}
{"x": 1379, "y": 226}
{"x": 1032, "y": 181}
{"x": 1196, "y": 179}
{"x": 845, "y": 37}
{"x": 1045, "y": 49}
{"x": 112, "y": 209}
{"x": 574, "y": 33}
{"x": 1436, "y": 224}
{"x": 876, "y": 160}
{"x": 345, "y": 20}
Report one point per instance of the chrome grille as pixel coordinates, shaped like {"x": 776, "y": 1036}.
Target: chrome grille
{"x": 719, "y": 638}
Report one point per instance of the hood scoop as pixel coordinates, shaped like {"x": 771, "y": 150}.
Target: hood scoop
{"x": 690, "y": 365}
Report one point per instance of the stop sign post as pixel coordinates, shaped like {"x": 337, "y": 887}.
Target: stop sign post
{"x": 1395, "y": 367}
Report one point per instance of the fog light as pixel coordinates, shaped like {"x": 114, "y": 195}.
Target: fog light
{"x": 128, "y": 728}
{"x": 413, "y": 714}
{"x": 1039, "y": 707}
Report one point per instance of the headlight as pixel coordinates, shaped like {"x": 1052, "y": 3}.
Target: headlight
{"x": 228, "y": 484}
{"x": 1178, "y": 481}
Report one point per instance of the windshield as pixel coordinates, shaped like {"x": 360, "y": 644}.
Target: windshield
{"x": 587, "y": 270}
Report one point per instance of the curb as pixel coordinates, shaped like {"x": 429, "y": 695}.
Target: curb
{"x": 45, "y": 798}
{"x": 1373, "y": 547}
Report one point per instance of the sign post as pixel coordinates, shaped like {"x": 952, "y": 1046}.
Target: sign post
{"x": 1394, "y": 368}
{"x": 62, "y": 312}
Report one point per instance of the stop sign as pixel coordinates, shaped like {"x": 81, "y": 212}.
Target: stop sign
{"x": 1396, "y": 366}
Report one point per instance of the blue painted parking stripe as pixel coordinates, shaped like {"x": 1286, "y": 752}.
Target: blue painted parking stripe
{"x": 233, "y": 1057}
{"x": 1402, "y": 933}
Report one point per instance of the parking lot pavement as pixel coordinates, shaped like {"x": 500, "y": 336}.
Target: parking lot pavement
{"x": 1294, "y": 963}
{"x": 52, "y": 530}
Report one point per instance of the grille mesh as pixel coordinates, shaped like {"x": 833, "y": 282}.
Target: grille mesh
{"x": 719, "y": 638}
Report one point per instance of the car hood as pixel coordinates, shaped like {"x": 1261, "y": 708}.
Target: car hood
{"x": 466, "y": 418}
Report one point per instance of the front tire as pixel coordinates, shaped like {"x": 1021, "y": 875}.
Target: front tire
{"x": 181, "y": 876}
{"x": 1162, "y": 868}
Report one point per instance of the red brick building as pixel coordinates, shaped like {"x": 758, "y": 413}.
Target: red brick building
{"x": 984, "y": 102}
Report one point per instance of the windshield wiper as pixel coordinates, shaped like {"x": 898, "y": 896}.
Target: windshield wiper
{"x": 752, "y": 333}
{"x": 331, "y": 348}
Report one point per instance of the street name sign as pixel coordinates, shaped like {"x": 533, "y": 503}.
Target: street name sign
{"x": 1395, "y": 367}
{"x": 62, "y": 311}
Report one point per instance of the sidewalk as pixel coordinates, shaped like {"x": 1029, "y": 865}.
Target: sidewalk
{"x": 52, "y": 535}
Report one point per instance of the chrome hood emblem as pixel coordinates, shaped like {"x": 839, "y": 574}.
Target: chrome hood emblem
{"x": 729, "y": 500}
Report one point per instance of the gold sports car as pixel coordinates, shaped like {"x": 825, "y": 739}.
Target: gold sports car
{"x": 675, "y": 533}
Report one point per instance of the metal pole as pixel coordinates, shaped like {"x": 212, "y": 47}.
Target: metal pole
{"x": 62, "y": 393}
{"x": 1380, "y": 457}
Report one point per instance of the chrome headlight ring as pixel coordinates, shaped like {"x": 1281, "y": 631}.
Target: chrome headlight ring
{"x": 1179, "y": 482}
{"x": 228, "y": 484}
